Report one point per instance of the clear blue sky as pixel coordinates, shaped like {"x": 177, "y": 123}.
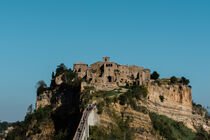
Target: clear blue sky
{"x": 171, "y": 37}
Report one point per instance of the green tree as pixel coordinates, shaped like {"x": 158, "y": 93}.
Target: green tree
{"x": 60, "y": 69}
{"x": 30, "y": 109}
{"x": 184, "y": 81}
{"x": 41, "y": 86}
{"x": 173, "y": 80}
{"x": 155, "y": 75}
{"x": 53, "y": 84}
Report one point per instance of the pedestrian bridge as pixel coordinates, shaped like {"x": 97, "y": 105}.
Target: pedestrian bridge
{"x": 88, "y": 119}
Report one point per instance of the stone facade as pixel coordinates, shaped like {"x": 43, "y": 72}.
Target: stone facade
{"x": 110, "y": 73}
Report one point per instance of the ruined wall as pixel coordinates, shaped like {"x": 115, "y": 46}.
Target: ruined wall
{"x": 110, "y": 74}
{"x": 81, "y": 69}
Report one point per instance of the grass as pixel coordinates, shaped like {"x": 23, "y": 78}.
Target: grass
{"x": 112, "y": 93}
{"x": 170, "y": 129}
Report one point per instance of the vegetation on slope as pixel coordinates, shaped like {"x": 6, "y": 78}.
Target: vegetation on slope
{"x": 61, "y": 115}
{"x": 4, "y": 126}
{"x": 119, "y": 129}
{"x": 173, "y": 130}
{"x": 21, "y": 128}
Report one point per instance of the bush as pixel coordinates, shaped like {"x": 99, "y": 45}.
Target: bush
{"x": 173, "y": 80}
{"x": 199, "y": 109}
{"x": 142, "y": 109}
{"x": 138, "y": 92}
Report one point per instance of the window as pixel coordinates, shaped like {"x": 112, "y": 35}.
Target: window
{"x": 109, "y": 79}
{"x": 108, "y": 65}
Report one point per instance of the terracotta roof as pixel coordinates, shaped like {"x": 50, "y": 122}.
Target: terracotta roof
{"x": 80, "y": 63}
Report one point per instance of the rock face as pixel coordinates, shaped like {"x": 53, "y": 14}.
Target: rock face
{"x": 176, "y": 104}
{"x": 140, "y": 122}
{"x": 44, "y": 99}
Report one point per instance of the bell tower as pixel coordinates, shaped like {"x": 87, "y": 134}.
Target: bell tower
{"x": 106, "y": 59}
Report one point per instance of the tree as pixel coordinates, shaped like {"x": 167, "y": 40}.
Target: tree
{"x": 60, "y": 69}
{"x": 68, "y": 76}
{"x": 155, "y": 75}
{"x": 184, "y": 81}
{"x": 30, "y": 109}
{"x": 41, "y": 86}
{"x": 53, "y": 75}
{"x": 173, "y": 80}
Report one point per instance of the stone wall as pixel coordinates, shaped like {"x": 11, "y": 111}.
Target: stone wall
{"x": 111, "y": 73}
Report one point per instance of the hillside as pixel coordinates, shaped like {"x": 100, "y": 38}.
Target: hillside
{"x": 131, "y": 104}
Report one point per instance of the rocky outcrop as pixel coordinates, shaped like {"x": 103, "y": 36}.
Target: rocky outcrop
{"x": 140, "y": 122}
{"x": 44, "y": 99}
{"x": 176, "y": 103}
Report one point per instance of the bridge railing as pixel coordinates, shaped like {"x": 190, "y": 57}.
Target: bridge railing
{"x": 83, "y": 122}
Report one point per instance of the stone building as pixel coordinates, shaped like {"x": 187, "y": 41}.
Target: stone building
{"x": 110, "y": 73}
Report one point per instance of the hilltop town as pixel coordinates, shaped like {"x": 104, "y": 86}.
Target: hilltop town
{"x": 104, "y": 98}
{"x": 112, "y": 75}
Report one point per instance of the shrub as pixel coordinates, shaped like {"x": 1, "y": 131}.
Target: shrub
{"x": 138, "y": 92}
{"x": 142, "y": 109}
{"x": 198, "y": 109}
{"x": 173, "y": 80}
